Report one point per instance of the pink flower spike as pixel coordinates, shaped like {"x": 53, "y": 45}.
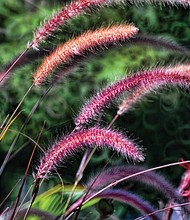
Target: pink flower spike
{"x": 147, "y": 78}
{"x": 71, "y": 10}
{"x": 75, "y": 142}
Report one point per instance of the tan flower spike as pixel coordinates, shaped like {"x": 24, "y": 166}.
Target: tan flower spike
{"x": 87, "y": 42}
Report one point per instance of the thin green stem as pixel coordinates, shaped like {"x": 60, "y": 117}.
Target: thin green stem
{"x": 6, "y": 128}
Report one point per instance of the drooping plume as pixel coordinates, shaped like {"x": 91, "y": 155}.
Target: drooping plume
{"x": 93, "y": 136}
{"x": 87, "y": 42}
{"x": 102, "y": 99}
{"x": 71, "y": 10}
{"x": 146, "y": 40}
{"x": 149, "y": 178}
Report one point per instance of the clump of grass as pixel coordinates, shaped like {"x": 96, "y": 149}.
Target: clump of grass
{"x": 87, "y": 133}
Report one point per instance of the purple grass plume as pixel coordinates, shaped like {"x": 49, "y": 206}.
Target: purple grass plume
{"x": 149, "y": 178}
{"x": 68, "y": 12}
{"x": 102, "y": 99}
{"x": 93, "y": 136}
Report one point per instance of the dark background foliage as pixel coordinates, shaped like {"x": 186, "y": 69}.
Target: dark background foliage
{"x": 160, "y": 122}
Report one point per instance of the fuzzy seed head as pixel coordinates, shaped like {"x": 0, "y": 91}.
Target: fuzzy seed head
{"x": 71, "y": 10}
{"x": 145, "y": 79}
{"x": 87, "y": 42}
{"x": 76, "y": 141}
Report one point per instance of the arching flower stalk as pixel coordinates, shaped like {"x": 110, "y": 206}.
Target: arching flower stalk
{"x": 135, "y": 173}
{"x": 68, "y": 12}
{"x": 129, "y": 198}
{"x": 93, "y": 136}
{"x": 141, "y": 39}
{"x": 150, "y": 179}
{"x": 102, "y": 99}
{"x": 78, "y": 46}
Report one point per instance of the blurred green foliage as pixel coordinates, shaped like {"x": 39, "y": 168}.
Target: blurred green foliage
{"x": 161, "y": 120}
